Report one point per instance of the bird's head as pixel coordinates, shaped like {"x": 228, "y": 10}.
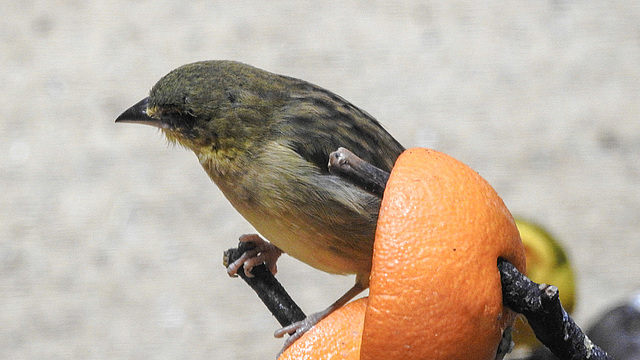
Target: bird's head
{"x": 211, "y": 105}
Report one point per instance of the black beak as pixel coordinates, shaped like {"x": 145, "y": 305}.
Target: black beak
{"x": 138, "y": 114}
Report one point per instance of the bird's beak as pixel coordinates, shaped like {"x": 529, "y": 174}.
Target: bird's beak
{"x": 138, "y": 114}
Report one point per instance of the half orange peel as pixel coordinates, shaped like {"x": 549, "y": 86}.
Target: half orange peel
{"x": 435, "y": 288}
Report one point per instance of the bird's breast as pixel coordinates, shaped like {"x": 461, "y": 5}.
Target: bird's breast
{"x": 317, "y": 218}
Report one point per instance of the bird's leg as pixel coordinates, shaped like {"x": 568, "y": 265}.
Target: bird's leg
{"x": 263, "y": 252}
{"x": 297, "y": 329}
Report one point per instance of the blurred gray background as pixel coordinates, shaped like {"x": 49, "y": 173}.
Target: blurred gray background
{"x": 111, "y": 241}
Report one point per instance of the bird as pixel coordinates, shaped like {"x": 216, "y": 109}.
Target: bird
{"x": 264, "y": 139}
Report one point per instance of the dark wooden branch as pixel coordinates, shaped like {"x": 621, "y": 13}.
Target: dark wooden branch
{"x": 540, "y": 304}
{"x": 346, "y": 164}
{"x": 269, "y": 290}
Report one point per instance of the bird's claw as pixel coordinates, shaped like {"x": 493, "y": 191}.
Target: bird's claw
{"x": 299, "y": 328}
{"x": 263, "y": 252}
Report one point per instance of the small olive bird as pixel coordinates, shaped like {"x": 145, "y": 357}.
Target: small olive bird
{"x": 265, "y": 140}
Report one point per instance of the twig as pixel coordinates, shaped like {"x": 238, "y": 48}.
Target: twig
{"x": 540, "y": 304}
{"x": 269, "y": 290}
{"x": 346, "y": 164}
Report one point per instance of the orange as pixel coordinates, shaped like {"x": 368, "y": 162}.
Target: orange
{"x": 335, "y": 337}
{"x": 435, "y": 288}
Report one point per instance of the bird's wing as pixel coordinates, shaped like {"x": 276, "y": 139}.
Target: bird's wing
{"x": 316, "y": 127}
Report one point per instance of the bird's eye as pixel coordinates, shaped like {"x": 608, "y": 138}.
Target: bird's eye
{"x": 231, "y": 96}
{"x": 177, "y": 119}
{"x": 170, "y": 114}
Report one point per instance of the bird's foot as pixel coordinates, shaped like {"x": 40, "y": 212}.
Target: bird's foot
{"x": 263, "y": 252}
{"x": 297, "y": 329}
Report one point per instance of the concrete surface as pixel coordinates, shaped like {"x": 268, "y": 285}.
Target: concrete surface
{"x": 111, "y": 242}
